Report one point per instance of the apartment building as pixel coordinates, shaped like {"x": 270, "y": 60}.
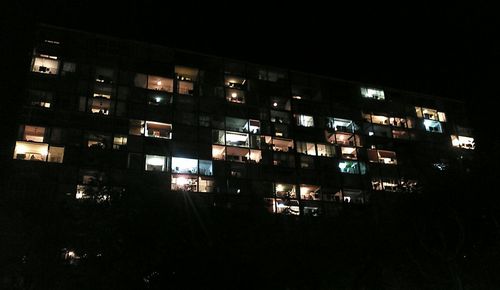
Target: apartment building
{"x": 105, "y": 117}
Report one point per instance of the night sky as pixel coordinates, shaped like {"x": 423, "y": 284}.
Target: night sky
{"x": 426, "y": 48}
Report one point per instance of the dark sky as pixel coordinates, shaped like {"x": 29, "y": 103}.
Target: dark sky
{"x": 426, "y": 48}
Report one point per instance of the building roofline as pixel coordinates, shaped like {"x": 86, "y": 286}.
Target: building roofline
{"x": 360, "y": 83}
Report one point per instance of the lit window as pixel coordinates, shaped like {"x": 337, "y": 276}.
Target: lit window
{"x": 304, "y": 120}
{"x": 343, "y": 125}
{"x": 218, "y": 152}
{"x": 430, "y": 114}
{"x": 103, "y": 96}
{"x": 283, "y": 145}
{"x": 310, "y": 192}
{"x": 433, "y": 126}
{"x": 218, "y": 137}
{"x": 351, "y": 167}
{"x": 104, "y": 75}
{"x": 326, "y": 150}
{"x": 185, "y": 88}
{"x": 287, "y": 207}
{"x": 184, "y": 165}
{"x": 237, "y": 154}
{"x": 158, "y": 130}
{"x": 56, "y": 154}
{"x": 33, "y": 133}
{"x": 100, "y": 105}
{"x": 40, "y": 98}
{"x": 462, "y": 142}
{"x": 306, "y": 148}
{"x": 442, "y": 117}
{"x": 97, "y": 140}
{"x": 382, "y": 156}
{"x": 237, "y": 139}
{"x": 378, "y": 119}
{"x": 387, "y": 157}
{"x": 184, "y": 73}
{"x": 206, "y": 184}
{"x": 235, "y": 96}
{"x": 206, "y": 167}
{"x": 160, "y": 84}
{"x": 285, "y": 190}
{"x": 235, "y": 82}
{"x": 136, "y": 127}
{"x": 343, "y": 138}
{"x": 31, "y": 151}
{"x": 184, "y": 183}
{"x": 373, "y": 94}
{"x": 254, "y": 126}
{"x": 119, "y": 141}
{"x": 45, "y": 64}
{"x": 400, "y": 122}
{"x": 353, "y": 196}
{"x": 400, "y": 134}
{"x": 155, "y": 163}
{"x": 255, "y": 156}
{"x": 349, "y": 153}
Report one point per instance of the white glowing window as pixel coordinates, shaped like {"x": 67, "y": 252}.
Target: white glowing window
{"x": 31, "y": 151}
{"x": 255, "y": 156}
{"x": 184, "y": 183}
{"x": 433, "y": 126}
{"x": 285, "y": 190}
{"x": 304, "y": 120}
{"x": 184, "y": 165}
{"x": 45, "y": 65}
{"x": 462, "y": 142}
{"x": 442, "y": 116}
{"x": 373, "y": 94}
{"x": 104, "y": 96}
{"x": 310, "y": 192}
{"x": 155, "y": 163}
{"x": 287, "y": 207}
{"x": 254, "y": 126}
{"x": 237, "y": 139}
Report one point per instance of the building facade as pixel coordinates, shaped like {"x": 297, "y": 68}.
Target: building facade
{"x": 105, "y": 117}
